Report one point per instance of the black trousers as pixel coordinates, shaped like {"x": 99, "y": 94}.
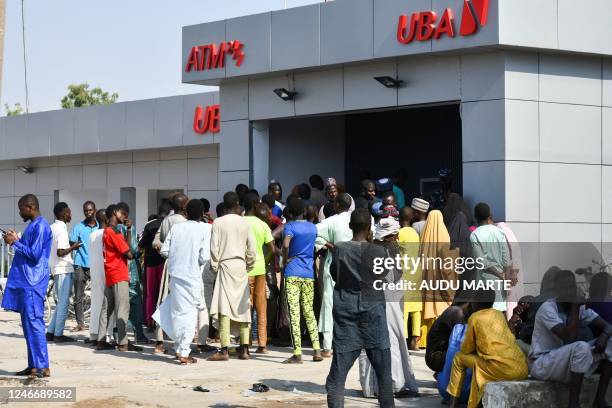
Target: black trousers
{"x": 81, "y": 276}
{"x": 341, "y": 365}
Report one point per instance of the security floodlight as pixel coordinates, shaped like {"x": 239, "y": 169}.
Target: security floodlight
{"x": 26, "y": 169}
{"x": 389, "y": 82}
{"x": 285, "y": 94}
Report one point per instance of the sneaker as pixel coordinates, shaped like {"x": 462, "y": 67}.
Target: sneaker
{"x": 63, "y": 339}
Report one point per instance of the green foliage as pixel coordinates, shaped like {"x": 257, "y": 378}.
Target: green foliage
{"x": 80, "y": 95}
{"x": 17, "y": 109}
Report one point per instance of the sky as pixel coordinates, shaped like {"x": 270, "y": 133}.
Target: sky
{"x": 132, "y": 47}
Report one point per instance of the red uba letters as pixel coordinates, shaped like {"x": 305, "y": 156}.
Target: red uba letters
{"x": 211, "y": 56}
{"x": 425, "y": 25}
{"x": 207, "y": 119}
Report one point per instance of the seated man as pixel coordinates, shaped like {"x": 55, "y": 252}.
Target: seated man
{"x": 439, "y": 334}
{"x": 489, "y": 349}
{"x": 557, "y": 354}
{"x": 600, "y": 300}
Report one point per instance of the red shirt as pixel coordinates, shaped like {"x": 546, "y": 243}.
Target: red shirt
{"x": 115, "y": 264}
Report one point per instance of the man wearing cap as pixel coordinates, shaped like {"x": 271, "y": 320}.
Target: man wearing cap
{"x": 420, "y": 208}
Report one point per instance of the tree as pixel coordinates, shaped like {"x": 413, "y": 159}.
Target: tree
{"x": 16, "y": 110}
{"x": 80, "y": 95}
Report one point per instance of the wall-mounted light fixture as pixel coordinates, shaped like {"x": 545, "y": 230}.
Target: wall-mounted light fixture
{"x": 285, "y": 94}
{"x": 26, "y": 169}
{"x": 389, "y": 82}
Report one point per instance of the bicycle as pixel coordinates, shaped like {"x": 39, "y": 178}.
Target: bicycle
{"x": 51, "y": 301}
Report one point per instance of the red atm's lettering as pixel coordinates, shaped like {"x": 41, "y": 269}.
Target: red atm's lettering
{"x": 211, "y": 56}
{"x": 426, "y": 25}
{"x": 402, "y": 26}
{"x": 207, "y": 120}
{"x": 446, "y": 25}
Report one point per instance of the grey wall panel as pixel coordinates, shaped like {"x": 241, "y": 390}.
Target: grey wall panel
{"x": 428, "y": 79}
{"x": 168, "y": 121}
{"x": 320, "y": 92}
{"x": 47, "y": 180}
{"x": 522, "y": 180}
{"x": 560, "y": 181}
{"x": 234, "y": 146}
{"x": 528, "y": 23}
{"x": 606, "y": 190}
{"x": 254, "y": 32}
{"x": 362, "y": 91}
{"x": 229, "y": 179}
{"x": 202, "y": 173}
{"x": 607, "y": 82}
{"x": 295, "y": 38}
{"x": 522, "y": 75}
{"x": 190, "y": 137}
{"x": 15, "y": 130}
{"x": 61, "y": 132}
{"x": 568, "y": 79}
{"x": 487, "y": 35}
{"x": 522, "y": 135}
{"x": 234, "y": 100}
{"x": 95, "y": 177}
{"x": 386, "y": 19}
{"x": 482, "y": 76}
{"x": 492, "y": 175}
{"x": 7, "y": 183}
{"x": 173, "y": 173}
{"x": 7, "y": 215}
{"x": 86, "y": 130}
{"x": 37, "y": 129}
{"x": 264, "y": 103}
{"x": 146, "y": 174}
{"x": 585, "y": 26}
{"x": 112, "y": 126}
{"x": 202, "y": 34}
{"x": 120, "y": 175}
{"x": 24, "y": 183}
{"x": 139, "y": 124}
{"x": 290, "y": 166}
{"x": 606, "y": 143}
{"x": 3, "y": 155}
{"x": 483, "y": 130}
{"x": 71, "y": 178}
{"x": 347, "y": 31}
{"x": 570, "y": 133}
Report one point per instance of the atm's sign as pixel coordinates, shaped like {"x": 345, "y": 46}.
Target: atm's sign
{"x": 425, "y": 25}
{"x": 212, "y": 56}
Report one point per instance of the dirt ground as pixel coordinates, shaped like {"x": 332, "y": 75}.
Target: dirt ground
{"x": 110, "y": 379}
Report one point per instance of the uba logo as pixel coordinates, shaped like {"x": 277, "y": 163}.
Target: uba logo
{"x": 211, "y": 56}
{"x": 424, "y": 26}
{"x": 207, "y": 119}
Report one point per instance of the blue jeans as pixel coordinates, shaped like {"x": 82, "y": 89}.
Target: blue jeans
{"x": 62, "y": 287}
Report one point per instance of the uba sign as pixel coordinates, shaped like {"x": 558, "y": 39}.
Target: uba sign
{"x": 207, "y": 119}
{"x": 211, "y": 56}
{"x": 425, "y": 25}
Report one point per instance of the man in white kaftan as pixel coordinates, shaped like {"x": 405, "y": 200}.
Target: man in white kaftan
{"x": 187, "y": 249}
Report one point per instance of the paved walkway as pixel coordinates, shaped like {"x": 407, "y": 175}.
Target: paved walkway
{"x": 113, "y": 380}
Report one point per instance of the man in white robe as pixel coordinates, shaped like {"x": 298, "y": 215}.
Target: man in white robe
{"x": 187, "y": 249}
{"x": 330, "y": 231}
{"x": 98, "y": 279}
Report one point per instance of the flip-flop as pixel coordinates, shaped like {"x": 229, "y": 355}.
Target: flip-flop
{"x": 260, "y": 387}
{"x": 190, "y": 360}
{"x": 199, "y": 388}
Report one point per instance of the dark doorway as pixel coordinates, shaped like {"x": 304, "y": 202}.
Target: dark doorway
{"x": 420, "y": 140}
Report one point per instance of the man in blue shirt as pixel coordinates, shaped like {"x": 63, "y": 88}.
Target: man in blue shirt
{"x": 80, "y": 233}
{"x": 27, "y": 283}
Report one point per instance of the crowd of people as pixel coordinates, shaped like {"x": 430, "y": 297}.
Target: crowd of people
{"x": 301, "y": 271}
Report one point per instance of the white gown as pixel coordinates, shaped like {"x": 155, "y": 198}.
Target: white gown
{"x": 98, "y": 282}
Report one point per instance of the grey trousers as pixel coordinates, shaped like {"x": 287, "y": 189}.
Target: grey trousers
{"x": 116, "y": 299}
{"x": 577, "y": 357}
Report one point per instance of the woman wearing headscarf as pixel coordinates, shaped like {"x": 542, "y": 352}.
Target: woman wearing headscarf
{"x": 460, "y": 238}
{"x": 438, "y": 260}
{"x": 404, "y": 383}
{"x": 454, "y": 205}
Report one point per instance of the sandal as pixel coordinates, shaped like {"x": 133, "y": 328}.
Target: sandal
{"x": 187, "y": 360}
